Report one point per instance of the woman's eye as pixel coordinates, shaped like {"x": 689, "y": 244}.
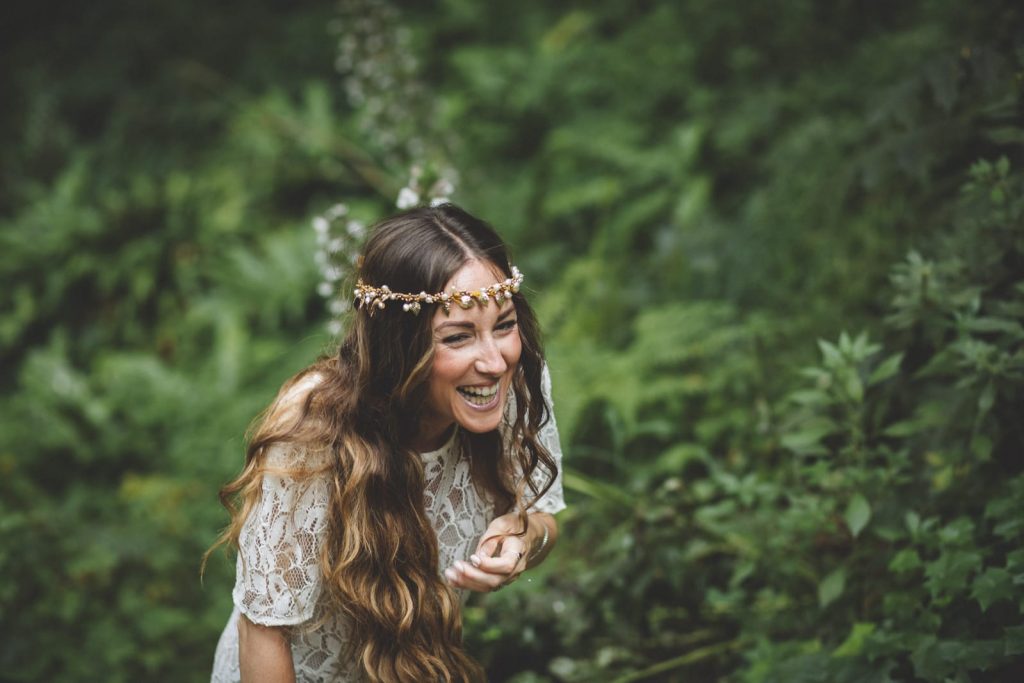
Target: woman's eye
{"x": 508, "y": 324}
{"x": 455, "y": 338}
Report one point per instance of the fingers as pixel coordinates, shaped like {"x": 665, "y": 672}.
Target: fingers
{"x": 487, "y": 574}
{"x": 498, "y": 530}
{"x": 512, "y": 551}
{"x": 498, "y": 560}
{"x": 464, "y": 575}
{"x": 489, "y": 545}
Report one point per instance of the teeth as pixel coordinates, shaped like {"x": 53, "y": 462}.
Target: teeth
{"x": 481, "y": 391}
{"x": 479, "y": 395}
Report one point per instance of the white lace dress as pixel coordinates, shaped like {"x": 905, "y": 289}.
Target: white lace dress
{"x": 277, "y": 576}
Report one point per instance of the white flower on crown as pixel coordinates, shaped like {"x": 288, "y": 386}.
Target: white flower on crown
{"x": 356, "y": 229}
{"x": 407, "y": 198}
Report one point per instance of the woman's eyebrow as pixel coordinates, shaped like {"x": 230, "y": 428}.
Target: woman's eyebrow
{"x": 465, "y": 324}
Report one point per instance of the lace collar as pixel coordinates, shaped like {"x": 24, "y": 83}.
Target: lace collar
{"x": 431, "y": 456}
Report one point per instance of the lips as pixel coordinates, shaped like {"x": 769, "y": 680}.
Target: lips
{"x": 479, "y": 396}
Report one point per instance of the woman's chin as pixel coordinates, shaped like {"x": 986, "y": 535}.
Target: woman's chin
{"x": 478, "y": 425}
{"x": 479, "y": 422}
{"x": 480, "y": 417}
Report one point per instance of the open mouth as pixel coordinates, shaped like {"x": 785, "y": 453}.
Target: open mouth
{"x": 480, "y": 396}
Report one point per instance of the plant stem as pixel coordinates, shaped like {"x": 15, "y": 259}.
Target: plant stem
{"x": 682, "y": 660}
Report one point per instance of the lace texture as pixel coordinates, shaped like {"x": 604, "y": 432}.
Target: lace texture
{"x": 277, "y": 577}
{"x": 553, "y": 500}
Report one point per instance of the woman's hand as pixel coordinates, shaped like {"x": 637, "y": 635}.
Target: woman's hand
{"x": 501, "y": 555}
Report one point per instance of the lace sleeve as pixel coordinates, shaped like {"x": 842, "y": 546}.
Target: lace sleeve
{"x": 553, "y": 500}
{"x": 277, "y": 575}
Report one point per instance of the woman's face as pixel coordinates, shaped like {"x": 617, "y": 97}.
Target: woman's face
{"x": 476, "y": 351}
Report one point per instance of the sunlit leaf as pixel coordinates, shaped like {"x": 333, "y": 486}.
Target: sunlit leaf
{"x": 889, "y": 367}
{"x": 858, "y": 512}
{"x": 831, "y": 587}
{"x": 905, "y": 560}
{"x": 854, "y": 642}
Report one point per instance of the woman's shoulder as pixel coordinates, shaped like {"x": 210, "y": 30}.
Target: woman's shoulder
{"x": 291, "y": 402}
{"x": 297, "y": 442}
{"x": 296, "y": 457}
{"x": 294, "y": 393}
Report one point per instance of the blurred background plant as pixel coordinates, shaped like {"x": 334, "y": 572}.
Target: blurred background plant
{"x": 778, "y": 253}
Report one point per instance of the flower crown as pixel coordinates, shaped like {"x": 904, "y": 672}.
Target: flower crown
{"x": 374, "y": 298}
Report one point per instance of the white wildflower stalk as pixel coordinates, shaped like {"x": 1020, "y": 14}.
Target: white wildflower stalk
{"x": 379, "y": 77}
{"x": 339, "y": 238}
{"x": 431, "y": 188}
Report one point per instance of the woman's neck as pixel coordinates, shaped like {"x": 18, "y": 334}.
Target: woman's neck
{"x": 432, "y": 436}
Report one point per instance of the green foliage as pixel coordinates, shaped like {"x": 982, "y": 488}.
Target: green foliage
{"x": 704, "y": 196}
{"x": 872, "y": 534}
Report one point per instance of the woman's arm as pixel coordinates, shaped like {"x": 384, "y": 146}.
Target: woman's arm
{"x": 264, "y": 653}
{"x": 277, "y": 578}
{"x": 541, "y": 524}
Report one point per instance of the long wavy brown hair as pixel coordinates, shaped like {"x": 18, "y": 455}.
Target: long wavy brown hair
{"x": 380, "y": 559}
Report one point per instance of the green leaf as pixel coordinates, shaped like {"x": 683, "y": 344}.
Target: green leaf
{"x": 987, "y": 399}
{"x": 988, "y": 325}
{"x": 993, "y": 585}
{"x": 958, "y": 532}
{"x": 808, "y": 438}
{"x": 600, "y": 490}
{"x": 902, "y": 429}
{"x": 831, "y": 587}
{"x": 913, "y": 521}
{"x": 676, "y": 458}
{"x": 1003, "y": 166}
{"x": 906, "y": 560}
{"x": 935, "y": 659}
{"x": 854, "y": 642}
{"x": 1014, "y": 641}
{"x": 889, "y": 367}
{"x": 854, "y": 387}
{"x": 830, "y": 353}
{"x": 1009, "y": 528}
{"x": 981, "y": 447}
{"x": 1015, "y": 560}
{"x": 947, "y": 575}
{"x": 1003, "y": 507}
{"x": 858, "y": 513}
{"x": 809, "y": 397}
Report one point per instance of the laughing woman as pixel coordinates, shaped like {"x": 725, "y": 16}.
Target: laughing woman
{"x": 419, "y": 462}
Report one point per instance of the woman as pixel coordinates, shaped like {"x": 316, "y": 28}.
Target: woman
{"x": 418, "y": 463}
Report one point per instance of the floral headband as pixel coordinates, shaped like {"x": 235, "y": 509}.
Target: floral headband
{"x": 374, "y": 298}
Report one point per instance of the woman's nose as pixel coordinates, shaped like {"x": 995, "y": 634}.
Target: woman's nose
{"x": 490, "y": 361}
